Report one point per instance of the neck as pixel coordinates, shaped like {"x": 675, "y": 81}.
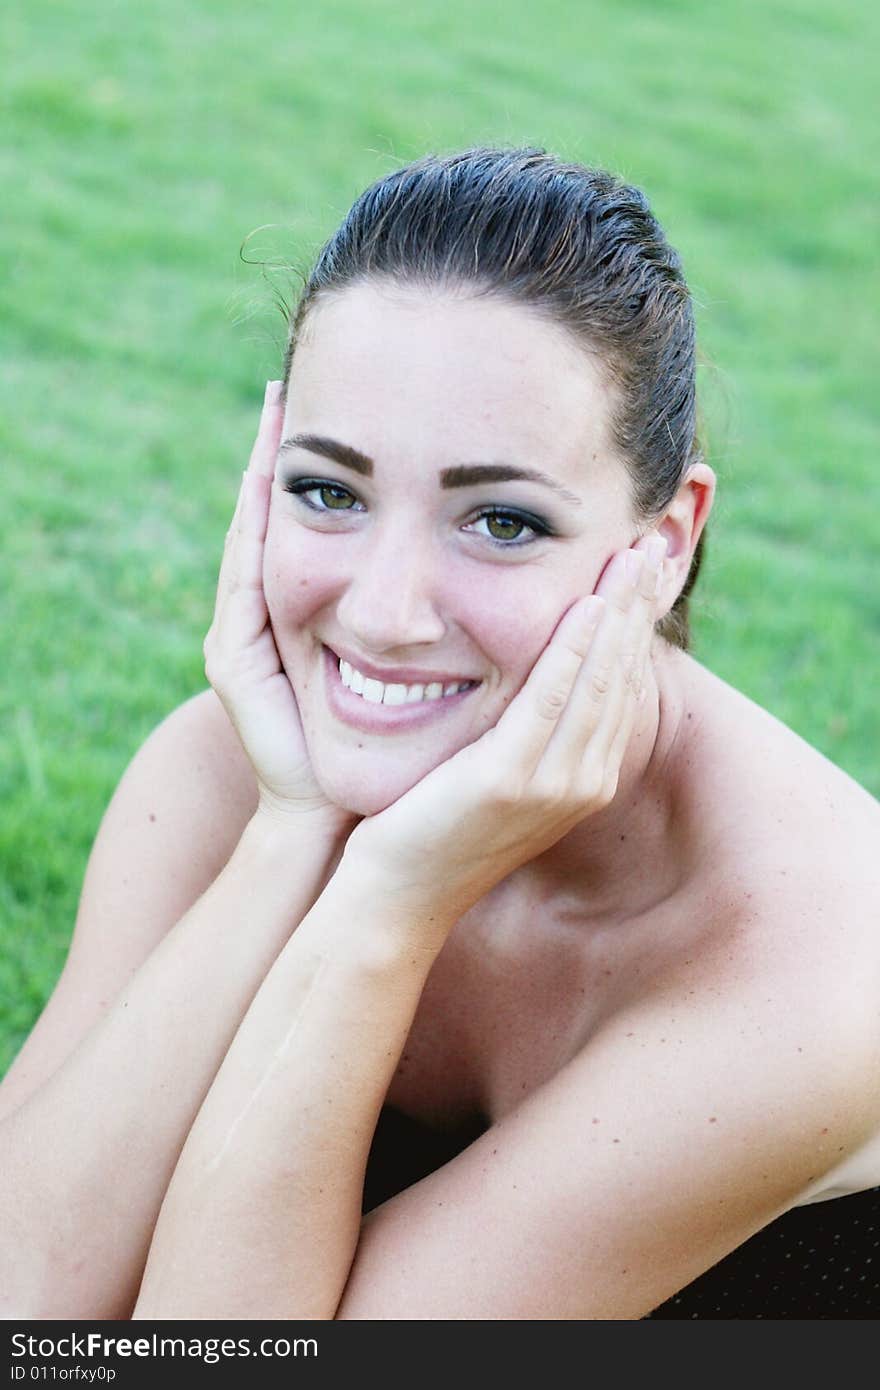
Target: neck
{"x": 623, "y": 859}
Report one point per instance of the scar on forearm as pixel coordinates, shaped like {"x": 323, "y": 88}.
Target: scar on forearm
{"x": 277, "y": 1057}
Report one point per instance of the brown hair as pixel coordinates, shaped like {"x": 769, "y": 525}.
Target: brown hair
{"x": 575, "y": 244}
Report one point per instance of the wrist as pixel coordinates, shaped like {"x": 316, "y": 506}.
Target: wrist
{"x": 316, "y": 817}
{"x": 295, "y": 841}
{"x": 408, "y": 908}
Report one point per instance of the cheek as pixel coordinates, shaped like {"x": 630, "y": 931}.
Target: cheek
{"x": 519, "y": 609}
{"x": 512, "y": 617}
{"x": 299, "y": 574}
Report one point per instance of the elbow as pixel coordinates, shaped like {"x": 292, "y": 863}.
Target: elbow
{"x": 31, "y": 1295}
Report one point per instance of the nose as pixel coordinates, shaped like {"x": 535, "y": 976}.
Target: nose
{"x": 389, "y": 603}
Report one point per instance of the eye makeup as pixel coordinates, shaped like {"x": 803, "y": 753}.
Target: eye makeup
{"x": 335, "y": 497}
{"x": 337, "y": 492}
{"x": 504, "y": 516}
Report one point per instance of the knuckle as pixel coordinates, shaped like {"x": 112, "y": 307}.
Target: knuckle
{"x": 632, "y": 672}
{"x": 600, "y": 683}
{"x": 551, "y": 702}
{"x": 577, "y": 645}
{"x": 504, "y": 790}
{"x": 553, "y": 791}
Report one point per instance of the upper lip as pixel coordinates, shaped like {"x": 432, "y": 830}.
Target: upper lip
{"x": 401, "y": 675}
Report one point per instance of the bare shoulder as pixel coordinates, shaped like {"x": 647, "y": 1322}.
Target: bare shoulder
{"x": 171, "y": 825}
{"x": 783, "y": 817}
{"x": 788, "y": 840}
{"x": 792, "y": 892}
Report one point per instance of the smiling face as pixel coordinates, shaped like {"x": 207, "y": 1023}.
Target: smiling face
{"x": 402, "y": 553}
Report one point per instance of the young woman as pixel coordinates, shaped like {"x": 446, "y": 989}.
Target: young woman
{"x": 468, "y": 950}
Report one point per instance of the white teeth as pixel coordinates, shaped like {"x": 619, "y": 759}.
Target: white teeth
{"x": 373, "y": 691}
{"x": 376, "y": 692}
{"x": 394, "y": 695}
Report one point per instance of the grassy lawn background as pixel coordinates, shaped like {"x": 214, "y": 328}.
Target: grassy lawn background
{"x": 140, "y": 145}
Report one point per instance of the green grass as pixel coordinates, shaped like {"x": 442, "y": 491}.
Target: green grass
{"x": 142, "y": 144}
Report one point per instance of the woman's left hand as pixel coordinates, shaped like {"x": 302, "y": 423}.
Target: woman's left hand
{"x": 552, "y": 759}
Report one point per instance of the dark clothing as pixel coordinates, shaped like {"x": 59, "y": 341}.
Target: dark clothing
{"x": 817, "y": 1261}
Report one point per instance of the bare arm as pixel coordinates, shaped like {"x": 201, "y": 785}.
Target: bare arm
{"x": 100, "y": 1101}
{"x": 613, "y": 1185}
{"x": 85, "y": 1161}
{"x": 262, "y": 1216}
{"x": 628, "y": 1174}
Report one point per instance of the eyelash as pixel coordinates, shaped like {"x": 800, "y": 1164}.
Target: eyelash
{"x": 300, "y": 487}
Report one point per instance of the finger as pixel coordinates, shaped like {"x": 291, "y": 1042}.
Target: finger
{"x": 529, "y": 720}
{"x": 265, "y": 450}
{"x": 636, "y": 677}
{"x": 251, "y": 526}
{"x": 611, "y": 736}
{"x": 229, "y": 563}
{"x": 596, "y": 692}
{"x": 243, "y": 551}
{"x": 240, "y": 609}
{"x": 242, "y": 565}
{"x": 612, "y": 674}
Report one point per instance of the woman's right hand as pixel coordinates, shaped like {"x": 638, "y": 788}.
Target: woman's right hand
{"x": 241, "y": 658}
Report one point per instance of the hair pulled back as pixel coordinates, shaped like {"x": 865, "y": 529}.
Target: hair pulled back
{"x": 573, "y": 243}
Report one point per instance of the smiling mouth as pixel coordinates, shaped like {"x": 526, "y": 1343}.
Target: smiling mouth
{"x": 376, "y": 692}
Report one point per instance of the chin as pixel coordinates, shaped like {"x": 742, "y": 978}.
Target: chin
{"x": 364, "y": 772}
{"x": 367, "y": 790}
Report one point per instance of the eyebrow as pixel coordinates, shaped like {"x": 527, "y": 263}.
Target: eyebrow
{"x": 461, "y": 475}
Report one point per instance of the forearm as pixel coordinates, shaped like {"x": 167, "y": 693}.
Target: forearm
{"x": 86, "y": 1161}
{"x": 262, "y": 1216}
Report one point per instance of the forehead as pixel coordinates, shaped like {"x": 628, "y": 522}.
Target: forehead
{"x": 380, "y": 367}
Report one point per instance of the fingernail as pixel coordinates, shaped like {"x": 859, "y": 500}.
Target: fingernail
{"x": 657, "y": 547}
{"x": 635, "y": 560}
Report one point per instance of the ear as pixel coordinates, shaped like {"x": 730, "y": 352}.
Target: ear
{"x": 682, "y": 524}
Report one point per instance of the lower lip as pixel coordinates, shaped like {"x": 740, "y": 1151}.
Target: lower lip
{"x": 383, "y": 719}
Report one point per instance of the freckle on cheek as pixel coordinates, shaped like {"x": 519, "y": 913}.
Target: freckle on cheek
{"x": 303, "y": 583}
